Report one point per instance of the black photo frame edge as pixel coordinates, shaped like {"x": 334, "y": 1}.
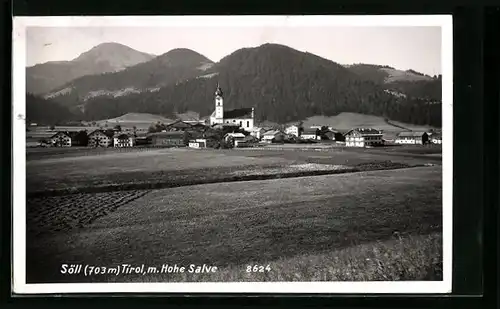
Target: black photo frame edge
{"x": 478, "y": 24}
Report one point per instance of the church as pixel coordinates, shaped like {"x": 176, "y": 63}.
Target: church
{"x": 244, "y": 117}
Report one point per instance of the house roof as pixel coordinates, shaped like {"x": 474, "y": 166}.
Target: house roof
{"x": 365, "y": 131}
{"x": 108, "y": 134}
{"x": 238, "y": 113}
{"x": 411, "y": 134}
{"x": 168, "y": 134}
{"x": 235, "y": 134}
{"x": 198, "y": 124}
{"x": 61, "y": 132}
{"x": 121, "y": 135}
{"x": 225, "y": 125}
{"x": 70, "y": 134}
{"x": 309, "y": 131}
{"x": 179, "y": 124}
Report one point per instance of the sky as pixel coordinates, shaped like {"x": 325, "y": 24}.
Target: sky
{"x": 402, "y": 47}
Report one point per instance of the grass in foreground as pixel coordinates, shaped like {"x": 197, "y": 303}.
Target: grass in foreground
{"x": 401, "y": 259}
{"x": 248, "y": 222}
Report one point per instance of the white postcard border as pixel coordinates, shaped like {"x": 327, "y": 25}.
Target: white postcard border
{"x": 20, "y": 24}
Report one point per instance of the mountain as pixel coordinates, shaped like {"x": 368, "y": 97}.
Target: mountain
{"x": 399, "y": 82}
{"x": 106, "y": 57}
{"x": 172, "y": 67}
{"x": 283, "y": 84}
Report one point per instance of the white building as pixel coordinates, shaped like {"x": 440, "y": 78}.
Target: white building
{"x": 436, "y": 138}
{"x": 363, "y": 137}
{"x": 257, "y": 132}
{"x": 412, "y": 138}
{"x": 293, "y": 130}
{"x": 237, "y": 137}
{"x": 121, "y": 140}
{"x": 198, "y": 143}
{"x": 244, "y": 117}
{"x": 311, "y": 134}
{"x": 269, "y": 136}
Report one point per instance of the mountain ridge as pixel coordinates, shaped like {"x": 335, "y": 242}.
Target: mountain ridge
{"x": 283, "y": 84}
{"x": 170, "y": 67}
{"x": 105, "y": 57}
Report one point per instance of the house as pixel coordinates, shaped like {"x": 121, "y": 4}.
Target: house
{"x": 294, "y": 130}
{"x": 226, "y": 127}
{"x": 198, "y": 143}
{"x": 361, "y": 137}
{"x": 257, "y": 132}
{"x": 170, "y": 139}
{"x": 100, "y": 138}
{"x": 142, "y": 140}
{"x": 244, "y": 117}
{"x": 69, "y": 139}
{"x": 178, "y": 125}
{"x": 61, "y": 139}
{"x": 237, "y": 137}
{"x": 310, "y": 134}
{"x": 328, "y": 135}
{"x": 198, "y": 126}
{"x": 248, "y": 141}
{"x": 123, "y": 140}
{"x": 413, "y": 138}
{"x": 273, "y": 136}
{"x": 436, "y": 138}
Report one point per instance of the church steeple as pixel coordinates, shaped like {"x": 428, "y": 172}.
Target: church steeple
{"x": 219, "y": 104}
{"x": 218, "y": 91}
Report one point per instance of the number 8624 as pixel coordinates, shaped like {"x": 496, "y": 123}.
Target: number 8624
{"x": 258, "y": 268}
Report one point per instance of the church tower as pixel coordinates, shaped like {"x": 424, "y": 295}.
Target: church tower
{"x": 219, "y": 104}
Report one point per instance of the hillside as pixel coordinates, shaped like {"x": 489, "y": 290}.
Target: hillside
{"x": 138, "y": 117}
{"x": 398, "y": 82}
{"x": 282, "y": 84}
{"x": 106, "y": 57}
{"x": 172, "y": 67}
{"x": 46, "y": 112}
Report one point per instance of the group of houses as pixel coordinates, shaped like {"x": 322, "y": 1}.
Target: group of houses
{"x": 235, "y": 127}
{"x": 97, "y": 138}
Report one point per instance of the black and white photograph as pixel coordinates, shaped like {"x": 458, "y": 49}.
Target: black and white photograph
{"x": 249, "y": 154}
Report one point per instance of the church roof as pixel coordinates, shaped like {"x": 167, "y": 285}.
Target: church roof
{"x": 238, "y": 113}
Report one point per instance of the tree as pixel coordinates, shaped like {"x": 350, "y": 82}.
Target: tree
{"x": 118, "y": 128}
{"x": 52, "y": 128}
{"x": 152, "y": 128}
{"x": 109, "y": 132}
{"x": 82, "y": 138}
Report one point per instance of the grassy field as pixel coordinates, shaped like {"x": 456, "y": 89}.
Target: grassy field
{"x": 303, "y": 227}
{"x": 73, "y": 169}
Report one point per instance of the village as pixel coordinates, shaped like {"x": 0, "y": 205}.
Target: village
{"x": 229, "y": 129}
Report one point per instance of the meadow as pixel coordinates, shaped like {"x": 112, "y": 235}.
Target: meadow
{"x": 53, "y": 169}
{"x": 367, "y": 223}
